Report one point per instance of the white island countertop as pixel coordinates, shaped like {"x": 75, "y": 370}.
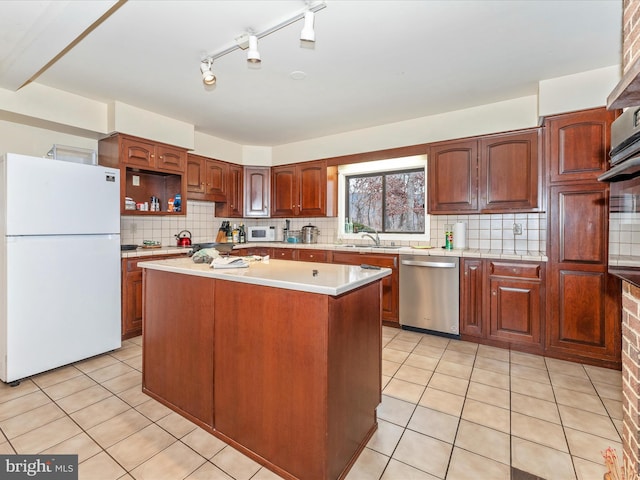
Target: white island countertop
{"x": 312, "y": 277}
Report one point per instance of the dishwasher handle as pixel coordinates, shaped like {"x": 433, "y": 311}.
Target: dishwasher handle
{"x": 420, "y": 263}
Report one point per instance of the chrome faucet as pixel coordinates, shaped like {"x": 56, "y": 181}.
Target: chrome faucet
{"x": 375, "y": 239}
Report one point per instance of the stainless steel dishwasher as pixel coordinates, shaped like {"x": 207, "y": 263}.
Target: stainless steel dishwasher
{"x": 430, "y": 294}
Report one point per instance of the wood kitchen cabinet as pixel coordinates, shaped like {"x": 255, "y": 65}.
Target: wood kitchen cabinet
{"x": 502, "y": 303}
{"x": 584, "y": 314}
{"x": 312, "y": 255}
{"x": 583, "y": 300}
{"x": 132, "y": 293}
{"x": 492, "y": 174}
{"x": 390, "y": 284}
{"x": 471, "y": 297}
{"x": 453, "y": 177}
{"x": 206, "y": 179}
{"x": 577, "y": 144}
{"x": 284, "y": 253}
{"x": 300, "y": 254}
{"x": 232, "y": 207}
{"x": 301, "y": 190}
{"x": 257, "y": 188}
{"x": 516, "y": 302}
{"x": 151, "y": 155}
{"x": 178, "y": 344}
{"x": 147, "y": 169}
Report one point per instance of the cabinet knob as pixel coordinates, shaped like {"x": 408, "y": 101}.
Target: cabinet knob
{"x": 493, "y": 293}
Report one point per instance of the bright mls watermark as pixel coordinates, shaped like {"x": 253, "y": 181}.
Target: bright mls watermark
{"x": 50, "y": 467}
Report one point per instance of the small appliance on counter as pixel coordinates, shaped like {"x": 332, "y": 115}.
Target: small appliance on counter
{"x": 183, "y": 238}
{"x": 267, "y": 233}
{"x": 310, "y": 234}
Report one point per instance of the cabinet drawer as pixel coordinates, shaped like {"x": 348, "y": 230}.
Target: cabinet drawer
{"x": 132, "y": 263}
{"x": 312, "y": 255}
{"x": 520, "y": 270}
{"x": 284, "y": 253}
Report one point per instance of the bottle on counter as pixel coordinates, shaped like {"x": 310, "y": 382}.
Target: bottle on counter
{"x": 242, "y": 235}
{"x": 235, "y": 234}
{"x": 229, "y": 233}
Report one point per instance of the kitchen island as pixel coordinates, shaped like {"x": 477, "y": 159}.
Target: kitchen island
{"x": 281, "y": 360}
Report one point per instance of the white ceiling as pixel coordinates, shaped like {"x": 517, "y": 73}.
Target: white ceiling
{"x": 374, "y": 62}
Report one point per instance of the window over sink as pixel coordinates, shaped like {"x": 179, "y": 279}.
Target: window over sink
{"x": 387, "y": 196}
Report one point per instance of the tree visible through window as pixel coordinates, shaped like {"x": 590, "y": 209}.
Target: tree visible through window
{"x": 389, "y": 202}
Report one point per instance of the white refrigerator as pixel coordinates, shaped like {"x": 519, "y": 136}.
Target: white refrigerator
{"x": 59, "y": 263}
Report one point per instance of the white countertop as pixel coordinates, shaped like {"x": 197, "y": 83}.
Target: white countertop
{"x": 471, "y": 253}
{"x": 624, "y": 261}
{"x": 331, "y": 279}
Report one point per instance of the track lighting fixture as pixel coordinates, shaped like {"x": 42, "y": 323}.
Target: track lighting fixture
{"x": 308, "y": 34}
{"x": 253, "y": 55}
{"x": 250, "y": 40}
{"x": 207, "y": 75}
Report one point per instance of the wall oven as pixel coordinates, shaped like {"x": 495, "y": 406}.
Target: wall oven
{"x": 624, "y": 195}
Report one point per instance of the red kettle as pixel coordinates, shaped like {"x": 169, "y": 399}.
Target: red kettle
{"x": 184, "y": 238}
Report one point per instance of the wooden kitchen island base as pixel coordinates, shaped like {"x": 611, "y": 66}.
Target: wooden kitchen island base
{"x": 289, "y": 378}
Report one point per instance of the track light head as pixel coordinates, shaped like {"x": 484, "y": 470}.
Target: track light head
{"x": 208, "y": 78}
{"x": 253, "y": 55}
{"x": 308, "y": 34}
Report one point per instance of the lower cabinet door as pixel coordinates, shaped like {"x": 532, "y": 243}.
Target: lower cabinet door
{"x": 132, "y": 305}
{"x": 515, "y": 311}
{"x": 471, "y": 295}
{"x": 585, "y": 324}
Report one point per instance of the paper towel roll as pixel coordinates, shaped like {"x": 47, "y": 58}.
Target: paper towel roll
{"x": 460, "y": 236}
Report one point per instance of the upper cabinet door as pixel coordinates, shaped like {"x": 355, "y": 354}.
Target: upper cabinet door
{"x": 216, "y": 179}
{"x": 195, "y": 176}
{"x": 138, "y": 153}
{"x": 284, "y": 192}
{"x": 257, "y": 184}
{"x": 577, "y": 144}
{"x": 453, "y": 177}
{"x": 312, "y": 189}
{"x": 169, "y": 158}
{"x": 509, "y": 172}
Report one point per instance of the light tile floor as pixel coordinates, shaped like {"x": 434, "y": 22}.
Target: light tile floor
{"x": 450, "y": 410}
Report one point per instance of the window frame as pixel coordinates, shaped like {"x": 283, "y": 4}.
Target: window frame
{"x": 379, "y": 166}
{"x": 384, "y": 174}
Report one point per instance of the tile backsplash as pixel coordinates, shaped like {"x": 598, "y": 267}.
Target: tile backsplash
{"x": 624, "y": 234}
{"x": 486, "y": 232}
